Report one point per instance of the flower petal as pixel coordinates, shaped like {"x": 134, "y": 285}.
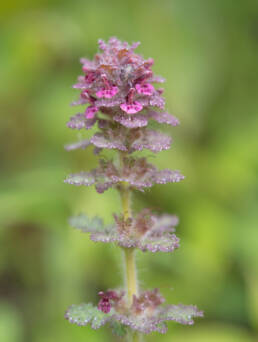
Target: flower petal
{"x": 144, "y": 89}
{"x": 107, "y": 93}
{"x": 131, "y": 108}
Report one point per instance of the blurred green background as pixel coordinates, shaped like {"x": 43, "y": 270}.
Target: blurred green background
{"x": 208, "y": 52}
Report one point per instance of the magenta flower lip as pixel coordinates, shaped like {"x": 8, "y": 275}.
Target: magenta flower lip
{"x": 145, "y": 89}
{"x": 131, "y": 108}
{"x": 107, "y": 93}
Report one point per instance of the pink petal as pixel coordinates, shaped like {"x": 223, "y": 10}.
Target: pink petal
{"x": 90, "y": 111}
{"x": 144, "y": 89}
{"x": 107, "y": 93}
{"x": 131, "y": 108}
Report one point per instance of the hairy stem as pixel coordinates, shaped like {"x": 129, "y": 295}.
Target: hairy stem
{"x": 126, "y": 196}
{"x": 130, "y": 267}
{"x": 129, "y": 254}
{"x": 131, "y": 278}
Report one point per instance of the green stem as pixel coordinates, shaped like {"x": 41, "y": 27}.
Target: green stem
{"x": 130, "y": 267}
{"x": 137, "y": 337}
{"x": 125, "y": 197}
{"x": 131, "y": 278}
{"x": 131, "y": 283}
{"x": 129, "y": 254}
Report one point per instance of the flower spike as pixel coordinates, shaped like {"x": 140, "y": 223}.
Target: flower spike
{"x": 117, "y": 88}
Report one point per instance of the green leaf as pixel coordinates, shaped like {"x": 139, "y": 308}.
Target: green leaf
{"x": 85, "y": 224}
{"x": 82, "y": 178}
{"x": 180, "y": 313}
{"x": 84, "y": 314}
{"x": 118, "y": 329}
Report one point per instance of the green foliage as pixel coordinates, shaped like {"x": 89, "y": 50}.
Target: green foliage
{"x": 118, "y": 329}
{"x": 84, "y": 314}
{"x": 85, "y": 224}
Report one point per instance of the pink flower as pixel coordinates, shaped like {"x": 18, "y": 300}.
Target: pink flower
{"x": 144, "y": 89}
{"x": 108, "y": 90}
{"x": 104, "y": 304}
{"x": 90, "y": 112}
{"x": 131, "y": 108}
{"x": 107, "y": 93}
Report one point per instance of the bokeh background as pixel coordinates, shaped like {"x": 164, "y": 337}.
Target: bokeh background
{"x": 208, "y": 52}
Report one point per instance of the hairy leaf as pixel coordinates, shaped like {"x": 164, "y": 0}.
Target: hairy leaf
{"x": 79, "y": 144}
{"x": 84, "y": 314}
{"x": 163, "y": 117}
{"x": 102, "y": 141}
{"x": 85, "y": 224}
{"x": 152, "y": 140}
{"x": 79, "y": 121}
{"x": 82, "y": 178}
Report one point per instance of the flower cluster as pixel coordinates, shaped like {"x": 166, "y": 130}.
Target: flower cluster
{"x": 146, "y": 313}
{"x": 146, "y": 231}
{"x": 117, "y": 87}
{"x": 118, "y": 78}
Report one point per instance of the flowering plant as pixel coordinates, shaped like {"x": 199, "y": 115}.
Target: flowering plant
{"x": 117, "y": 87}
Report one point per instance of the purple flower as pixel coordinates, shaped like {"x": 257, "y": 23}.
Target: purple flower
{"x": 119, "y": 75}
{"x": 108, "y": 299}
{"x": 108, "y": 90}
{"x": 131, "y": 106}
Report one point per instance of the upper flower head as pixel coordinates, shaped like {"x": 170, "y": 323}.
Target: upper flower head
{"x": 119, "y": 79}
{"x": 117, "y": 89}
